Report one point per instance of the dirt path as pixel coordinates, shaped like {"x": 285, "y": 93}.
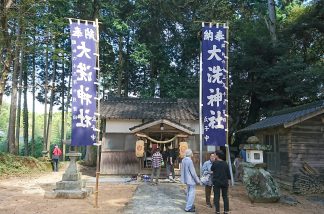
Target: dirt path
{"x": 26, "y": 196}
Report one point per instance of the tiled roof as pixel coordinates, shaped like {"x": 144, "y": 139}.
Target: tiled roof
{"x": 151, "y": 109}
{"x": 291, "y": 115}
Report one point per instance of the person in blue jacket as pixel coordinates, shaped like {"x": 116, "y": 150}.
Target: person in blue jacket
{"x": 190, "y": 178}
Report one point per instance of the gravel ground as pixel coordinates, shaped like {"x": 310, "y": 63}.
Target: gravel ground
{"x": 163, "y": 198}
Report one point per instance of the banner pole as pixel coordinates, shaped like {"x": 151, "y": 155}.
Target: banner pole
{"x": 98, "y": 144}
{"x": 227, "y": 98}
{"x": 200, "y": 108}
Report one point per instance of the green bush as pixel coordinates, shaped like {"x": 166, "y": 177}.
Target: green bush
{"x": 3, "y": 144}
{"x": 19, "y": 165}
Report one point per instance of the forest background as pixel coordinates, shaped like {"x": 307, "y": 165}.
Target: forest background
{"x": 151, "y": 48}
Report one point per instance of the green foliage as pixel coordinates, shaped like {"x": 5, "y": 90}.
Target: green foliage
{"x": 37, "y": 149}
{"x": 4, "y": 113}
{"x": 155, "y": 43}
{"x": 17, "y": 165}
{"x": 266, "y": 77}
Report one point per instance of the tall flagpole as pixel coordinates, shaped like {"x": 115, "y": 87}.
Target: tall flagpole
{"x": 200, "y": 107}
{"x": 98, "y": 143}
{"x": 227, "y": 104}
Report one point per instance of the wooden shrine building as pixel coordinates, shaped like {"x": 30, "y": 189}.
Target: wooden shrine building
{"x": 296, "y": 136}
{"x": 153, "y": 122}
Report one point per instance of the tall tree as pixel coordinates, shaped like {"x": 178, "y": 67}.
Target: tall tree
{"x": 25, "y": 112}
{"x": 13, "y": 105}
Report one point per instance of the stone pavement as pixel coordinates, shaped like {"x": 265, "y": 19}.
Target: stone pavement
{"x": 163, "y": 198}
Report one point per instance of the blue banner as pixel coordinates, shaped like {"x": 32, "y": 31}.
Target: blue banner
{"x": 214, "y": 75}
{"x": 83, "y": 45}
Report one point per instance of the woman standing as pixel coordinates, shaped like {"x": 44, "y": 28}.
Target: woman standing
{"x": 208, "y": 174}
{"x": 56, "y": 155}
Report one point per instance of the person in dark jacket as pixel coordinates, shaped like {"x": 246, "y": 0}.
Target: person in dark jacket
{"x": 221, "y": 177}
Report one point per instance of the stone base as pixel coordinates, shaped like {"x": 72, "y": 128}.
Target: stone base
{"x": 71, "y": 185}
{"x": 260, "y": 185}
{"x": 69, "y": 194}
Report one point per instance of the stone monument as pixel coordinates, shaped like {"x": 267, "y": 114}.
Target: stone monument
{"x": 260, "y": 185}
{"x": 71, "y": 185}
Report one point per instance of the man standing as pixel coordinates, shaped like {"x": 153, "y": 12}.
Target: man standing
{"x": 206, "y": 172}
{"x": 221, "y": 177}
{"x": 238, "y": 168}
{"x": 56, "y": 155}
{"x": 156, "y": 166}
{"x": 242, "y": 152}
{"x": 190, "y": 178}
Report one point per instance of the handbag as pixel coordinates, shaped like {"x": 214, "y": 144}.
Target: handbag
{"x": 205, "y": 179}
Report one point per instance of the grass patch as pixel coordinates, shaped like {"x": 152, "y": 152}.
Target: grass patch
{"x": 12, "y": 165}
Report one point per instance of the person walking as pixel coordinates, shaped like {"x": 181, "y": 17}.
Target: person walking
{"x": 190, "y": 178}
{"x": 207, "y": 173}
{"x": 221, "y": 177}
{"x": 56, "y": 156}
{"x": 156, "y": 166}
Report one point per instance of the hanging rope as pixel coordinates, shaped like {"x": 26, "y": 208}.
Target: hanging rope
{"x": 158, "y": 141}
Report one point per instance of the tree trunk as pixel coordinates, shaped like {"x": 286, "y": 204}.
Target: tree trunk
{"x": 25, "y": 112}
{"x": 50, "y": 112}
{"x": 67, "y": 112}
{"x": 254, "y": 109}
{"x": 34, "y": 91}
{"x": 153, "y": 76}
{"x": 126, "y": 79}
{"x": 90, "y": 157}
{"x": 120, "y": 61}
{"x": 63, "y": 103}
{"x": 13, "y": 105}
{"x": 272, "y": 21}
{"x": 45, "y": 99}
{"x": 19, "y": 101}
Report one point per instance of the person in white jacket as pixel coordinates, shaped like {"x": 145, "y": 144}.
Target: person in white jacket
{"x": 190, "y": 178}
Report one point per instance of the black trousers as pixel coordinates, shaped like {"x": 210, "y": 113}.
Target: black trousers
{"x": 217, "y": 190}
{"x": 55, "y": 165}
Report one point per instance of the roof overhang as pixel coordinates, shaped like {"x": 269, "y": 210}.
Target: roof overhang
{"x": 170, "y": 123}
{"x": 303, "y": 118}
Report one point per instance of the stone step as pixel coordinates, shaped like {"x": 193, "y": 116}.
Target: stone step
{"x": 68, "y": 194}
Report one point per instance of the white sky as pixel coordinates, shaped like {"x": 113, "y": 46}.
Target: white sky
{"x": 39, "y": 107}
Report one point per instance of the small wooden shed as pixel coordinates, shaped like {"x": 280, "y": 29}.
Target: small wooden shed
{"x": 296, "y": 136}
{"x": 127, "y": 120}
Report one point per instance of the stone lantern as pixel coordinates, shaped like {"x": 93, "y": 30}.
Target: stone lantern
{"x": 254, "y": 150}
{"x": 260, "y": 185}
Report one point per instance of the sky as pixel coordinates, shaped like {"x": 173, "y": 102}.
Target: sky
{"x": 39, "y": 107}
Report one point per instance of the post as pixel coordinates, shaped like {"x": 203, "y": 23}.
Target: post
{"x": 228, "y": 154}
{"x": 200, "y": 108}
{"x": 98, "y": 143}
